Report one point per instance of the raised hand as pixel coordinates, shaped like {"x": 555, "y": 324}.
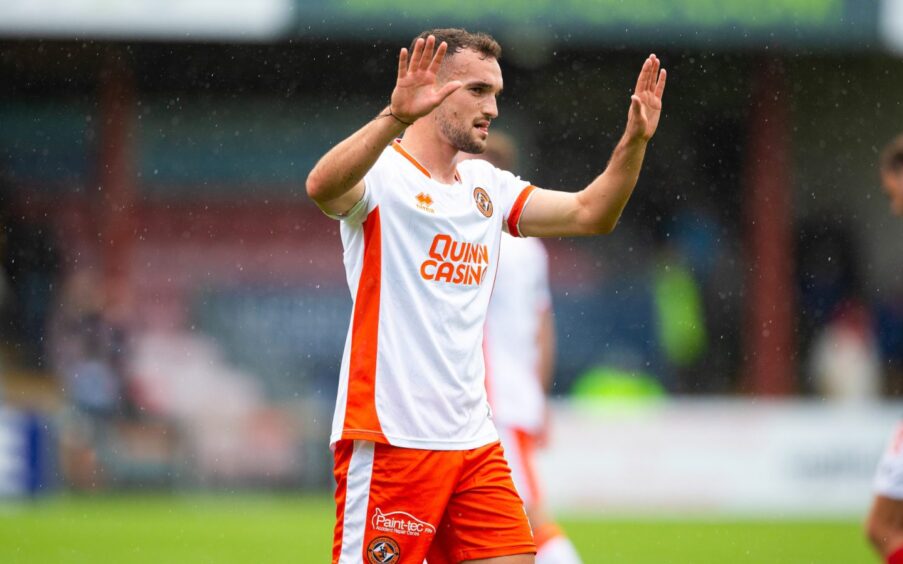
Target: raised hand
{"x": 646, "y": 101}
{"x": 416, "y": 90}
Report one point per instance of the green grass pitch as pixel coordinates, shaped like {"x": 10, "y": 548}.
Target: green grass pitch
{"x": 289, "y": 528}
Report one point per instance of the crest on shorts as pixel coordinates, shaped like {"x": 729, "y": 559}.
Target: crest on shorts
{"x": 484, "y": 204}
{"x": 383, "y": 550}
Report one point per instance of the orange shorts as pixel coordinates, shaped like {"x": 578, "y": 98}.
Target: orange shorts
{"x": 402, "y": 505}
{"x": 520, "y": 452}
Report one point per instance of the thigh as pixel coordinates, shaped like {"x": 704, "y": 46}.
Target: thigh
{"x": 388, "y": 501}
{"x": 485, "y": 517}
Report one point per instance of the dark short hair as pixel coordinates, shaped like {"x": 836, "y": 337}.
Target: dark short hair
{"x": 459, "y": 39}
{"x": 892, "y": 155}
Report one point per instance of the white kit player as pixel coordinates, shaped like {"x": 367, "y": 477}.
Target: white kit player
{"x": 885, "y": 520}
{"x": 519, "y": 347}
{"x": 519, "y": 350}
{"x": 419, "y": 470}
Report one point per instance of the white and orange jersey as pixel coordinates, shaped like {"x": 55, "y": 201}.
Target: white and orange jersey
{"x": 511, "y": 343}
{"x": 421, "y": 257}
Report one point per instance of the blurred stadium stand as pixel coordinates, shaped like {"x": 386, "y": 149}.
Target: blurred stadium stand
{"x": 165, "y": 151}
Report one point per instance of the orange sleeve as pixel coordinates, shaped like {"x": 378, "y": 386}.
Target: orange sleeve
{"x": 517, "y": 209}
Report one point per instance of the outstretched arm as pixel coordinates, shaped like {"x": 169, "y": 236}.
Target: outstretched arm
{"x": 596, "y": 208}
{"x": 336, "y": 182}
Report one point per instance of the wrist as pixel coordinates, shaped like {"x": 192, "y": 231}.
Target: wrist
{"x": 402, "y": 120}
{"x": 634, "y": 140}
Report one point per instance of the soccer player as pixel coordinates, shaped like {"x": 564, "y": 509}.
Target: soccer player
{"x": 418, "y": 465}
{"x": 519, "y": 347}
{"x": 884, "y": 524}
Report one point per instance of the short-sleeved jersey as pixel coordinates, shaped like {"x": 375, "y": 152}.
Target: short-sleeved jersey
{"x": 420, "y": 258}
{"x": 520, "y": 297}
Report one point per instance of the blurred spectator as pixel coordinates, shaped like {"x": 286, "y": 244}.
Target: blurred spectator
{"x": 889, "y": 329}
{"x": 611, "y": 384}
{"x": 892, "y": 174}
{"x": 678, "y": 300}
{"x": 832, "y": 310}
{"x": 88, "y": 338}
{"x": 827, "y": 272}
{"x": 890, "y": 311}
{"x": 32, "y": 261}
{"x": 88, "y": 348}
{"x": 844, "y": 362}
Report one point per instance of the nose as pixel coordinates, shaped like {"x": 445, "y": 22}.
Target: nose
{"x": 491, "y": 108}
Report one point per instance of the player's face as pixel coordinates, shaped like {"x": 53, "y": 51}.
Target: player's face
{"x": 464, "y": 117}
{"x": 893, "y": 185}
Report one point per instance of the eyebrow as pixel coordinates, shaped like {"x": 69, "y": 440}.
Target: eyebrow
{"x": 484, "y": 85}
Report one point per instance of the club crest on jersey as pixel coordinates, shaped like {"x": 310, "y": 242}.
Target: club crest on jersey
{"x": 484, "y": 204}
{"x": 383, "y": 550}
{"x": 425, "y": 202}
{"x": 455, "y": 262}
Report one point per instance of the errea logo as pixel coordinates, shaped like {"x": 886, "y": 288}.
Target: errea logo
{"x": 424, "y": 202}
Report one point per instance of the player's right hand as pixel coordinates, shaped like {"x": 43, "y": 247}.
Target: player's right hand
{"x": 417, "y": 92}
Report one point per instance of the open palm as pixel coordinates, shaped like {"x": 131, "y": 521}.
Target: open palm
{"x": 646, "y": 101}
{"x": 417, "y": 91}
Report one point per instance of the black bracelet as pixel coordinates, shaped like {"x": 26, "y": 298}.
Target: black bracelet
{"x": 398, "y": 119}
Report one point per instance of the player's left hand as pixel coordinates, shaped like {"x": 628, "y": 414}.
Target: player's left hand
{"x": 646, "y": 101}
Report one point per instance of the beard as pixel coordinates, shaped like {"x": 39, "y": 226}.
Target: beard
{"x": 460, "y": 137}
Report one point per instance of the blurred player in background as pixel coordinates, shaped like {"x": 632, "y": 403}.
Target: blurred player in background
{"x": 519, "y": 345}
{"x": 418, "y": 465}
{"x": 884, "y": 524}
{"x": 892, "y": 174}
